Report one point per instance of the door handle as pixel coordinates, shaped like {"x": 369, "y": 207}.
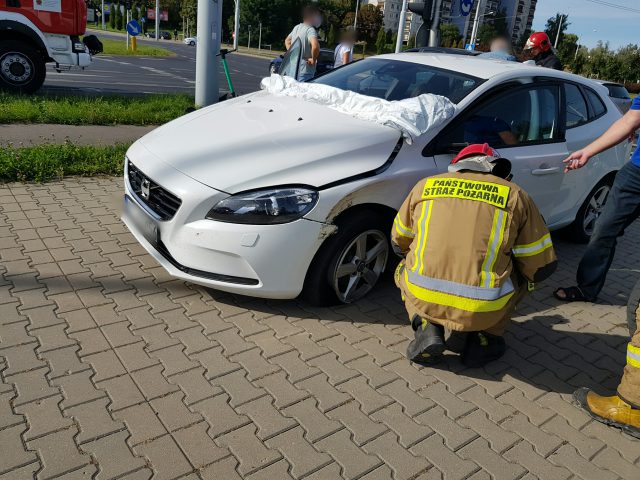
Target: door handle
{"x": 545, "y": 171}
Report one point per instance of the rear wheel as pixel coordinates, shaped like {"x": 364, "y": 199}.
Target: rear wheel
{"x": 582, "y": 228}
{"x": 22, "y": 68}
{"x": 192, "y": 43}
{"x": 350, "y": 262}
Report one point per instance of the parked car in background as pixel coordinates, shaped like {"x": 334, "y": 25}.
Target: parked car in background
{"x": 325, "y": 62}
{"x": 190, "y": 41}
{"x": 618, "y": 94}
{"x": 162, "y": 35}
{"x": 291, "y": 196}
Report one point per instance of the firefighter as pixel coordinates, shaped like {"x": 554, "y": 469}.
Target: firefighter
{"x": 623, "y": 409}
{"x": 473, "y": 244}
{"x": 539, "y": 47}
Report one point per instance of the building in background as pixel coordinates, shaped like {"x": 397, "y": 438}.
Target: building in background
{"x": 519, "y": 15}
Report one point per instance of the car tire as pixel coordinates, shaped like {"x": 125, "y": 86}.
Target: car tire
{"x": 192, "y": 43}
{"x": 326, "y": 284}
{"x": 22, "y": 68}
{"x": 632, "y": 308}
{"x": 581, "y": 229}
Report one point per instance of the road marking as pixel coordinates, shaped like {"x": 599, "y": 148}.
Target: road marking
{"x": 167, "y": 74}
{"x": 119, "y": 84}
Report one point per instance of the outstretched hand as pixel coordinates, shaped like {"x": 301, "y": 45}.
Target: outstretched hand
{"x": 575, "y": 161}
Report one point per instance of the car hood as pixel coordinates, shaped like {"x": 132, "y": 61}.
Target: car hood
{"x": 262, "y": 140}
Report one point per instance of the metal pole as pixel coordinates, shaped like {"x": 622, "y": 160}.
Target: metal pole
{"x": 476, "y": 23}
{"x": 435, "y": 25}
{"x": 236, "y": 27}
{"x": 560, "y": 21}
{"x": 355, "y": 20}
{"x": 249, "y": 42}
{"x": 157, "y": 20}
{"x": 401, "y": 24}
{"x": 577, "y": 50}
{"x": 127, "y": 12}
{"x": 208, "y": 46}
{"x": 260, "y": 36}
{"x": 102, "y": 15}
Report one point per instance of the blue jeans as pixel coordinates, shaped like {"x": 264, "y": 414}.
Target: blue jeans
{"x": 621, "y": 209}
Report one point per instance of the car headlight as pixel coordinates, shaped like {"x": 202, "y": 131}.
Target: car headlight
{"x": 265, "y": 207}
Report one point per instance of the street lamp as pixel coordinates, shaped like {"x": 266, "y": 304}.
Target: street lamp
{"x": 355, "y": 20}
{"x": 476, "y": 22}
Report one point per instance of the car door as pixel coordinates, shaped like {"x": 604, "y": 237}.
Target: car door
{"x": 524, "y": 123}
{"x": 291, "y": 61}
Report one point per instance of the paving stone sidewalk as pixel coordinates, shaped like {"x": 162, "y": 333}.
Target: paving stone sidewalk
{"x": 111, "y": 369}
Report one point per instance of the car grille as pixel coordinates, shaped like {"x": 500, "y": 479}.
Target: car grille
{"x": 162, "y": 202}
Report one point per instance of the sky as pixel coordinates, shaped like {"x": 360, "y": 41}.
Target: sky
{"x": 618, "y": 27}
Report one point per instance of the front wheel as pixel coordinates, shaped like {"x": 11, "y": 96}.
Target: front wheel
{"x": 192, "y": 43}
{"x": 350, "y": 263}
{"x": 583, "y": 226}
{"x": 22, "y": 68}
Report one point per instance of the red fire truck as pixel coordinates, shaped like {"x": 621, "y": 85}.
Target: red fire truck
{"x": 36, "y": 32}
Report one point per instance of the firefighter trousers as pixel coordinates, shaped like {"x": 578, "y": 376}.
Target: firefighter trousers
{"x": 629, "y": 389}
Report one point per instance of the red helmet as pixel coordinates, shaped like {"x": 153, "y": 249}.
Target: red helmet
{"x": 477, "y": 150}
{"x": 538, "y": 40}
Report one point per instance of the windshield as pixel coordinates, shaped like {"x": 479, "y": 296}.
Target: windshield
{"x": 398, "y": 80}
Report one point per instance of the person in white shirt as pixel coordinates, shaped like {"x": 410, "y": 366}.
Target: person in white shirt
{"x": 343, "y": 53}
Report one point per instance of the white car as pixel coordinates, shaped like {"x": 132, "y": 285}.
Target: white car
{"x": 270, "y": 196}
{"x": 190, "y": 41}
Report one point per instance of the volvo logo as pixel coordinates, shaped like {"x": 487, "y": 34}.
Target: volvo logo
{"x": 145, "y": 188}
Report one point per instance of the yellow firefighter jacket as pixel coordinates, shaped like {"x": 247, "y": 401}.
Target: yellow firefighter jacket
{"x": 472, "y": 241}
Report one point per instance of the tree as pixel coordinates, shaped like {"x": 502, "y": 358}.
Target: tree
{"x": 381, "y": 41}
{"x": 389, "y": 36}
{"x": 486, "y": 33}
{"x": 370, "y": 20}
{"x": 332, "y": 36}
{"x": 567, "y": 49}
{"x": 449, "y": 35}
{"x": 118, "y": 17}
{"x": 500, "y": 23}
{"x": 112, "y": 16}
{"x": 559, "y": 21}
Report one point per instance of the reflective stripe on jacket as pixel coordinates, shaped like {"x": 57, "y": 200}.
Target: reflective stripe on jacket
{"x": 472, "y": 241}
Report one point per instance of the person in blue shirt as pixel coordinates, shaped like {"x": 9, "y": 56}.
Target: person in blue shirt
{"x": 621, "y": 209}
{"x": 500, "y": 49}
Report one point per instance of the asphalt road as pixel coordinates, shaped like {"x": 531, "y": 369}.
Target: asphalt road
{"x": 139, "y": 75}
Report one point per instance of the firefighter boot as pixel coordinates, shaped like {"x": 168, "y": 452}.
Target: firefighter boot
{"x": 428, "y": 345}
{"x": 482, "y": 348}
{"x": 457, "y": 341}
{"x": 612, "y": 411}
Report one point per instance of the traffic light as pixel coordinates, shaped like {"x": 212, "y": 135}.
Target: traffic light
{"x": 425, "y": 10}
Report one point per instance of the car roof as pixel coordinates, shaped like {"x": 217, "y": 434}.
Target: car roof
{"x": 453, "y": 51}
{"x": 479, "y": 67}
{"x": 607, "y": 82}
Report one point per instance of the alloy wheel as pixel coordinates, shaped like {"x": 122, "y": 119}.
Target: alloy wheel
{"x": 594, "y": 208}
{"x": 360, "y": 265}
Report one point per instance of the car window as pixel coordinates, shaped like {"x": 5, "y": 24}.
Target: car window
{"x": 398, "y": 80}
{"x": 498, "y": 123}
{"x": 577, "y": 111}
{"x": 291, "y": 60}
{"x": 325, "y": 56}
{"x": 617, "y": 91}
{"x": 597, "y": 105}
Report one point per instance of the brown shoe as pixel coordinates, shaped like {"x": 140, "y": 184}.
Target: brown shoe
{"x": 609, "y": 410}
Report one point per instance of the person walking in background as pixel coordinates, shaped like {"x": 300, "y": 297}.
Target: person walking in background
{"x": 621, "y": 209}
{"x": 500, "y": 50}
{"x": 343, "y": 53}
{"x": 308, "y": 36}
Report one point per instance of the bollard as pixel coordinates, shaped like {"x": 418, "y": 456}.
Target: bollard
{"x": 134, "y": 44}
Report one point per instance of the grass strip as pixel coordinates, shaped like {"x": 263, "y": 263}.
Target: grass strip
{"x": 78, "y": 110}
{"x": 119, "y": 47}
{"x": 41, "y": 163}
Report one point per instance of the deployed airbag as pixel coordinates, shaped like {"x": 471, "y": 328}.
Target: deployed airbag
{"x": 412, "y": 116}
